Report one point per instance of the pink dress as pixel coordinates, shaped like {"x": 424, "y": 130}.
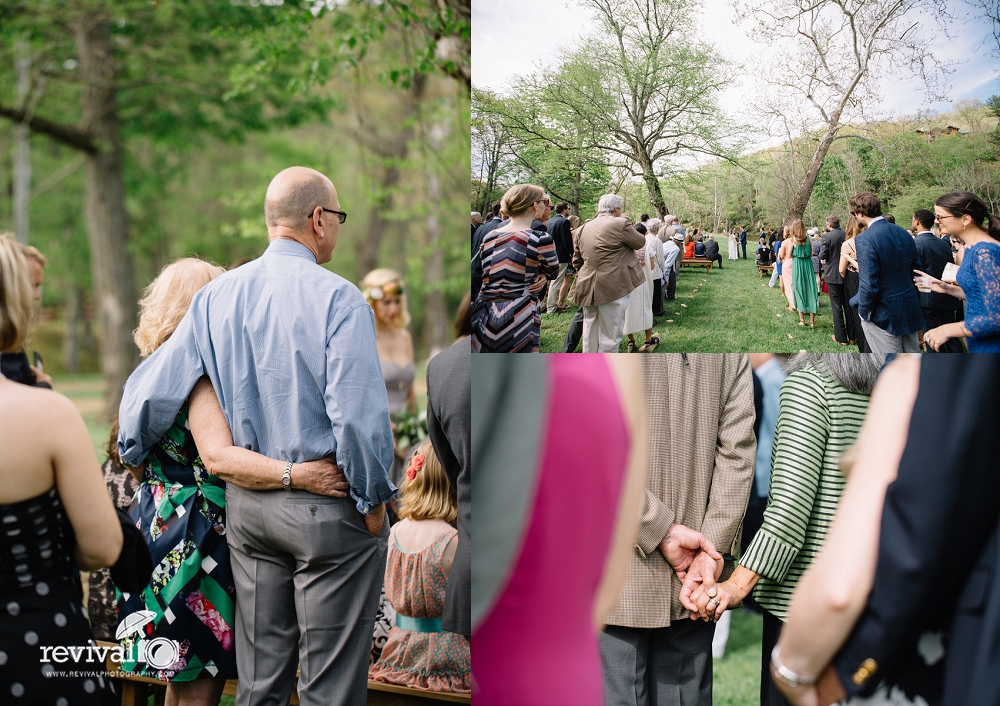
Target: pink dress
{"x": 418, "y": 654}
{"x": 786, "y": 277}
{"x": 538, "y": 644}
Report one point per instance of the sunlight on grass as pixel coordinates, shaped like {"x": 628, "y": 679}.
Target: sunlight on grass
{"x": 732, "y": 311}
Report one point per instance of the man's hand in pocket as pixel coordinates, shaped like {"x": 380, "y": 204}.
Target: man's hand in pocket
{"x": 375, "y": 519}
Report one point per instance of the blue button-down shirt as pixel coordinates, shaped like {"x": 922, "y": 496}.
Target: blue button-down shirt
{"x": 290, "y": 349}
{"x": 771, "y": 377}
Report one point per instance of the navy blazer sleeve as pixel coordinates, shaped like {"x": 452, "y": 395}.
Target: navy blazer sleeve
{"x": 938, "y": 516}
{"x": 868, "y": 275}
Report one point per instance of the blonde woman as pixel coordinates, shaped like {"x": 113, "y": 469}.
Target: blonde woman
{"x": 422, "y": 548}
{"x": 849, "y": 271}
{"x": 181, "y": 510}
{"x": 48, "y": 474}
{"x": 384, "y": 291}
{"x": 515, "y": 262}
{"x": 787, "y": 263}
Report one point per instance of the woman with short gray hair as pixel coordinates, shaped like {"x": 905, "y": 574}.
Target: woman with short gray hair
{"x": 822, "y": 405}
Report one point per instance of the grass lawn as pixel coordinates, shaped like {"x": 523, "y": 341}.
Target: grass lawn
{"x": 723, "y": 311}
{"x": 87, "y": 393}
{"x": 737, "y": 674}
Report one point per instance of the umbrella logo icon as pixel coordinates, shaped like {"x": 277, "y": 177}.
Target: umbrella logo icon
{"x": 134, "y": 622}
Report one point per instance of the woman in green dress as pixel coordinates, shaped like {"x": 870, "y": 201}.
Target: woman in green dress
{"x": 803, "y": 277}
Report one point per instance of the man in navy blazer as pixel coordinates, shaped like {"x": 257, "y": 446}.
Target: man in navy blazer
{"x": 939, "y": 545}
{"x": 933, "y": 254}
{"x": 887, "y": 300}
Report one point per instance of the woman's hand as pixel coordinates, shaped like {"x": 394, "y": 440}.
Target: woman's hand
{"x": 713, "y": 602}
{"x": 937, "y": 337}
{"x": 937, "y": 285}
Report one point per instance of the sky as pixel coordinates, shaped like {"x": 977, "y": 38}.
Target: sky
{"x": 517, "y": 37}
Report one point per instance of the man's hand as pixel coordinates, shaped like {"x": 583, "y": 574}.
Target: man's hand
{"x": 681, "y": 546}
{"x": 375, "y": 519}
{"x": 538, "y": 284}
{"x": 699, "y": 583}
{"x": 40, "y": 376}
{"x": 321, "y": 477}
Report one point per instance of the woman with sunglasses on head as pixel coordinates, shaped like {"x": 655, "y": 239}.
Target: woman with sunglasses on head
{"x": 384, "y": 291}
{"x": 514, "y": 262}
{"x": 963, "y": 216}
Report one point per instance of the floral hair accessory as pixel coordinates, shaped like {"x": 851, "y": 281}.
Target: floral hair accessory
{"x": 416, "y": 463}
{"x": 392, "y": 289}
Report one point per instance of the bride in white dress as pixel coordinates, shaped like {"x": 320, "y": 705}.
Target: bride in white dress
{"x": 733, "y": 245}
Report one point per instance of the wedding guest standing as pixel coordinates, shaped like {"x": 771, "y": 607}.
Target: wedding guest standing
{"x": 887, "y": 299}
{"x": 384, "y": 292}
{"x": 286, "y": 346}
{"x": 16, "y": 366}
{"x": 181, "y": 510}
{"x": 803, "y": 274}
{"x": 829, "y": 253}
{"x": 933, "y": 255}
{"x": 549, "y": 564}
{"x": 822, "y": 407}
{"x": 787, "y": 258}
{"x": 849, "y": 271}
{"x": 964, "y": 216}
{"x": 449, "y": 419}
{"x": 607, "y": 272}
{"x": 57, "y": 520}
{"x": 515, "y": 263}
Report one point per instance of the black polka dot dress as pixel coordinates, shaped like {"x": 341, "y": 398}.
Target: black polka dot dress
{"x": 41, "y": 610}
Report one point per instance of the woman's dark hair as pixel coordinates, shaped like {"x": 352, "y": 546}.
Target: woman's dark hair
{"x": 960, "y": 203}
{"x": 463, "y": 320}
{"x": 641, "y": 228}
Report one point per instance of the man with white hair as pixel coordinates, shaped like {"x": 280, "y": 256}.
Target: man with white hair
{"x": 477, "y": 220}
{"x": 672, "y": 263}
{"x": 289, "y": 348}
{"x": 607, "y": 271}
{"x": 653, "y": 225}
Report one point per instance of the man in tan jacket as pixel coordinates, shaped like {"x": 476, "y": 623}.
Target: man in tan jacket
{"x": 607, "y": 271}
{"x": 701, "y": 461}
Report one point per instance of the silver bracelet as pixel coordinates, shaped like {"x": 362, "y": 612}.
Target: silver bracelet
{"x": 286, "y": 477}
{"x": 786, "y": 675}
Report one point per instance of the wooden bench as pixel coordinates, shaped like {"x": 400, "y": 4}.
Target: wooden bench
{"x": 136, "y": 690}
{"x": 697, "y": 262}
{"x": 765, "y": 268}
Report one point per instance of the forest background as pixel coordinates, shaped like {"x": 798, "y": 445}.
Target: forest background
{"x": 152, "y": 129}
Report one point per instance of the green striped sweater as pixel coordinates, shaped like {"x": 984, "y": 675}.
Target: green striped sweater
{"x": 817, "y": 420}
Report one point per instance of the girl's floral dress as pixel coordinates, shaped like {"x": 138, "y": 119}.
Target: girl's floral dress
{"x": 181, "y": 509}
{"x": 418, "y": 653}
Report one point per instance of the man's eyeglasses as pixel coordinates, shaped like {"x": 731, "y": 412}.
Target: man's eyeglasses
{"x": 342, "y": 215}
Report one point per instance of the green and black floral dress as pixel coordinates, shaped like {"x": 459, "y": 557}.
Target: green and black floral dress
{"x": 181, "y": 509}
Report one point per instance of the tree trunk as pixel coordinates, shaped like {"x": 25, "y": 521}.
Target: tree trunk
{"x": 805, "y": 188}
{"x": 389, "y": 152}
{"x": 22, "y": 149}
{"x": 107, "y": 222}
{"x": 71, "y": 330}
{"x": 436, "y": 321}
{"x": 652, "y": 185}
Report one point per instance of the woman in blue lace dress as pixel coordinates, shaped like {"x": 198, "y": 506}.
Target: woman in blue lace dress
{"x": 963, "y": 216}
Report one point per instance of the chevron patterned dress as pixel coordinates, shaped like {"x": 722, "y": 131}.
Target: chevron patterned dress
{"x": 505, "y": 316}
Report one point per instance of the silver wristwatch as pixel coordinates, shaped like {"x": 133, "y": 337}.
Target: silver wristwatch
{"x": 286, "y": 477}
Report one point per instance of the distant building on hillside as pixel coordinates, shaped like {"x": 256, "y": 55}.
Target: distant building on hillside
{"x": 936, "y": 132}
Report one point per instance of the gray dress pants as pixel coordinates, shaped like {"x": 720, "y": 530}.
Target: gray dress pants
{"x": 660, "y": 666}
{"x": 308, "y": 577}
